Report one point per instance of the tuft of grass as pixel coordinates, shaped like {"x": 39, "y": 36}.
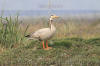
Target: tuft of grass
{"x": 95, "y": 41}
{"x": 10, "y": 33}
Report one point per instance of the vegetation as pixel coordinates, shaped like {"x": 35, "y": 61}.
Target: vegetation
{"x": 71, "y": 49}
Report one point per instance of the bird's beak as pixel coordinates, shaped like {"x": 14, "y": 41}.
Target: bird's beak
{"x": 55, "y": 16}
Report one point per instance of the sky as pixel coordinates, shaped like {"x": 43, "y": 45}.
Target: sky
{"x": 56, "y": 4}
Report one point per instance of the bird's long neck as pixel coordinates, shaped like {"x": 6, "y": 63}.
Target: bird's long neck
{"x": 52, "y": 27}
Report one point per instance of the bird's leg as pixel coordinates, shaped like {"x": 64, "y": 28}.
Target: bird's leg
{"x": 40, "y": 43}
{"x": 43, "y": 45}
{"x": 47, "y": 45}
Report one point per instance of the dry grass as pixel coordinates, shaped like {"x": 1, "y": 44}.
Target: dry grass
{"x": 68, "y": 28}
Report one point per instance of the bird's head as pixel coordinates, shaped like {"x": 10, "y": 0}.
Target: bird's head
{"x": 53, "y": 17}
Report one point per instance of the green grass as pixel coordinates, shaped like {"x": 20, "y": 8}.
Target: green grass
{"x": 10, "y": 33}
{"x": 18, "y": 51}
{"x": 77, "y": 53}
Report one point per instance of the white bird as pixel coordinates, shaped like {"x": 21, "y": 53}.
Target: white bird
{"x": 45, "y": 33}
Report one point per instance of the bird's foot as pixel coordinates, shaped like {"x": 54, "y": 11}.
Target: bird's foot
{"x": 48, "y": 48}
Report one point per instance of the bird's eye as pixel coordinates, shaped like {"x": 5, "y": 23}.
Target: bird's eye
{"x": 52, "y": 15}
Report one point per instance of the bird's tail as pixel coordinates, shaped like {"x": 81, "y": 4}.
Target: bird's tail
{"x": 30, "y": 38}
{"x": 27, "y": 36}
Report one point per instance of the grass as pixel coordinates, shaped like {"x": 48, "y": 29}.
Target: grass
{"x": 10, "y": 33}
{"x": 69, "y": 48}
{"x": 67, "y": 52}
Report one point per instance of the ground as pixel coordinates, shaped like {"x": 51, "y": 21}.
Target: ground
{"x": 73, "y": 51}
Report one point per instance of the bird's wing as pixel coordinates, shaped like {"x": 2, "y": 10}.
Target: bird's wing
{"x": 40, "y": 32}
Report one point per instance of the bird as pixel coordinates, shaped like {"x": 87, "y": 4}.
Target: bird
{"x": 45, "y": 34}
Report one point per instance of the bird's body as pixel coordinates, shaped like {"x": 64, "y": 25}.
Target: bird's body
{"x": 45, "y": 33}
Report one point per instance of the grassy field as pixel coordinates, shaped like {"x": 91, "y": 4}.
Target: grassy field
{"x": 76, "y": 43}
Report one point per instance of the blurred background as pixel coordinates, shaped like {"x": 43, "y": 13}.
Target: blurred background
{"x": 41, "y": 7}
